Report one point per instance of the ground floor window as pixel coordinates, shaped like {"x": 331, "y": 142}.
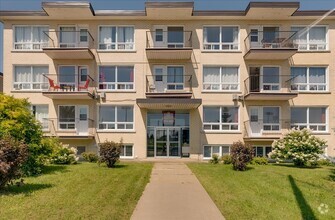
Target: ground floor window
{"x": 262, "y": 151}
{"x": 127, "y": 151}
{"x": 219, "y": 150}
{"x": 80, "y": 150}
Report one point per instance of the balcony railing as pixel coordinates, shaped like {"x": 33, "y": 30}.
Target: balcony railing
{"x": 70, "y": 39}
{"x": 169, "y": 39}
{"x": 70, "y": 83}
{"x": 274, "y": 83}
{"x": 158, "y": 84}
{"x": 67, "y": 127}
{"x": 261, "y": 128}
{"x": 270, "y": 40}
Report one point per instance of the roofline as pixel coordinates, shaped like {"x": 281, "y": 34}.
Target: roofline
{"x": 76, "y": 4}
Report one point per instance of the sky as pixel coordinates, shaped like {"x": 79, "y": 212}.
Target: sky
{"x": 139, "y": 5}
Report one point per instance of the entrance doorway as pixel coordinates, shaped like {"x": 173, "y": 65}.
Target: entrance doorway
{"x": 167, "y": 142}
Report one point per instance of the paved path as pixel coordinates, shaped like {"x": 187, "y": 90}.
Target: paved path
{"x": 175, "y": 193}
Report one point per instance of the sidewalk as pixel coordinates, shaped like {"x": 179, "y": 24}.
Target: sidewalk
{"x": 175, "y": 193}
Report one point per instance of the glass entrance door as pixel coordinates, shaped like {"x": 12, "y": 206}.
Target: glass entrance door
{"x": 167, "y": 142}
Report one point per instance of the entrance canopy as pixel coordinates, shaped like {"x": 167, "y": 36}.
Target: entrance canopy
{"x": 169, "y": 103}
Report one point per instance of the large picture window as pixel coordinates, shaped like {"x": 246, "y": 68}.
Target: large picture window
{"x": 116, "y": 77}
{"x": 30, "y": 77}
{"x": 314, "y": 38}
{"x": 311, "y": 79}
{"x": 116, "y": 38}
{"x": 116, "y": 118}
{"x": 221, "y": 38}
{"x": 220, "y": 79}
{"x": 30, "y": 37}
{"x": 313, "y": 118}
{"x": 221, "y": 118}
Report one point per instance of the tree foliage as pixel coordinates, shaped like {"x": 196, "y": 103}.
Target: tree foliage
{"x": 298, "y": 145}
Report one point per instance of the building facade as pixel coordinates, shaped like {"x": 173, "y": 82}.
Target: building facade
{"x": 171, "y": 81}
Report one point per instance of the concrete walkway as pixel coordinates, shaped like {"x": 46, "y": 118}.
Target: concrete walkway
{"x": 175, "y": 193}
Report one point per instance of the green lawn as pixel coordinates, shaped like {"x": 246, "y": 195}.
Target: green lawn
{"x": 269, "y": 192}
{"x": 82, "y": 191}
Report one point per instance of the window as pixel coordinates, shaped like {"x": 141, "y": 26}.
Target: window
{"x": 271, "y": 119}
{"x": 126, "y": 151}
{"x": 175, "y": 37}
{"x": 67, "y": 117}
{"x": 30, "y": 77}
{"x": 262, "y": 151}
{"x": 271, "y": 80}
{"x": 116, "y": 77}
{"x": 309, "y": 79}
{"x": 313, "y": 118}
{"x": 116, "y": 118}
{"x": 116, "y": 38}
{"x": 175, "y": 78}
{"x": 221, "y": 38}
{"x": 221, "y": 118}
{"x": 80, "y": 150}
{"x": 30, "y": 37}
{"x": 219, "y": 150}
{"x": 220, "y": 79}
{"x": 314, "y": 38}
{"x": 41, "y": 113}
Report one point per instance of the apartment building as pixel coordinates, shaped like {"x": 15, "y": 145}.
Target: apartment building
{"x": 172, "y": 81}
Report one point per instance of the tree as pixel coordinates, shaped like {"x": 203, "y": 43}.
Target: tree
{"x": 298, "y": 145}
{"x": 17, "y": 121}
{"x": 241, "y": 155}
{"x": 13, "y": 154}
{"x": 110, "y": 152}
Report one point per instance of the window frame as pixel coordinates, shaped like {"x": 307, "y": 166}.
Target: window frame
{"x": 124, "y": 150}
{"x": 270, "y": 84}
{"x": 221, "y": 83}
{"x": 221, "y": 124}
{"x": 272, "y": 124}
{"x": 307, "y": 36}
{"x": 263, "y": 150}
{"x": 300, "y": 126}
{"x": 212, "y": 146}
{"x": 115, "y": 123}
{"x": 308, "y": 84}
{"x": 116, "y": 39}
{"x": 45, "y": 125}
{"x": 32, "y": 43}
{"x": 31, "y": 83}
{"x": 67, "y": 123}
{"x": 116, "y": 84}
{"x": 220, "y": 42}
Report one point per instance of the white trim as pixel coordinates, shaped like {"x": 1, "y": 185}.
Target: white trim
{"x": 116, "y": 39}
{"x": 211, "y": 152}
{"x": 116, "y": 130}
{"x": 307, "y": 33}
{"x": 132, "y": 151}
{"x": 32, "y": 43}
{"x": 116, "y": 83}
{"x": 31, "y": 83}
{"x": 220, "y": 90}
{"x": 202, "y": 44}
{"x": 307, "y": 124}
{"x": 220, "y": 124}
{"x": 308, "y": 84}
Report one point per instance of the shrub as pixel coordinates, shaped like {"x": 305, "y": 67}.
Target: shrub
{"x": 110, "y": 152}
{"x": 226, "y": 159}
{"x": 259, "y": 161}
{"x": 324, "y": 162}
{"x": 298, "y": 145}
{"x": 241, "y": 155}
{"x": 215, "y": 159}
{"x": 13, "y": 154}
{"x": 64, "y": 155}
{"x": 90, "y": 157}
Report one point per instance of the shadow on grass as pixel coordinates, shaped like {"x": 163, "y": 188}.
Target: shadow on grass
{"x": 54, "y": 169}
{"x": 305, "y": 209}
{"x": 25, "y": 189}
{"x": 116, "y": 166}
{"x": 293, "y": 166}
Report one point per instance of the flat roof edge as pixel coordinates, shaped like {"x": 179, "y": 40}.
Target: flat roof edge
{"x": 23, "y": 13}
{"x": 120, "y": 13}
{"x": 169, "y": 4}
{"x": 218, "y": 13}
{"x": 66, "y": 4}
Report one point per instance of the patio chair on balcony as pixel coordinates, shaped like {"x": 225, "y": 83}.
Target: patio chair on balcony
{"x": 85, "y": 86}
{"x": 53, "y": 85}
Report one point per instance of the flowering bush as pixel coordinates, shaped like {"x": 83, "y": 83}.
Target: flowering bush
{"x": 241, "y": 155}
{"x": 64, "y": 155}
{"x": 298, "y": 145}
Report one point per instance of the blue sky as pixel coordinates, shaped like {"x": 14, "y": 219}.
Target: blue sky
{"x": 139, "y": 5}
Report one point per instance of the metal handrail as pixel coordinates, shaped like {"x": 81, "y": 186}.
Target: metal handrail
{"x": 281, "y": 44}
{"x": 53, "y": 41}
{"x": 189, "y": 38}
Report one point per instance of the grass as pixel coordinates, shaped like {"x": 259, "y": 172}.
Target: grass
{"x": 82, "y": 191}
{"x": 269, "y": 192}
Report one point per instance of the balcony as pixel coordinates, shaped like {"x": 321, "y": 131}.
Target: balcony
{"x": 69, "y": 128}
{"x": 270, "y": 45}
{"x": 268, "y": 88}
{"x": 169, "y": 45}
{"x": 70, "y": 86}
{"x": 69, "y": 45}
{"x": 265, "y": 130}
{"x": 169, "y": 92}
